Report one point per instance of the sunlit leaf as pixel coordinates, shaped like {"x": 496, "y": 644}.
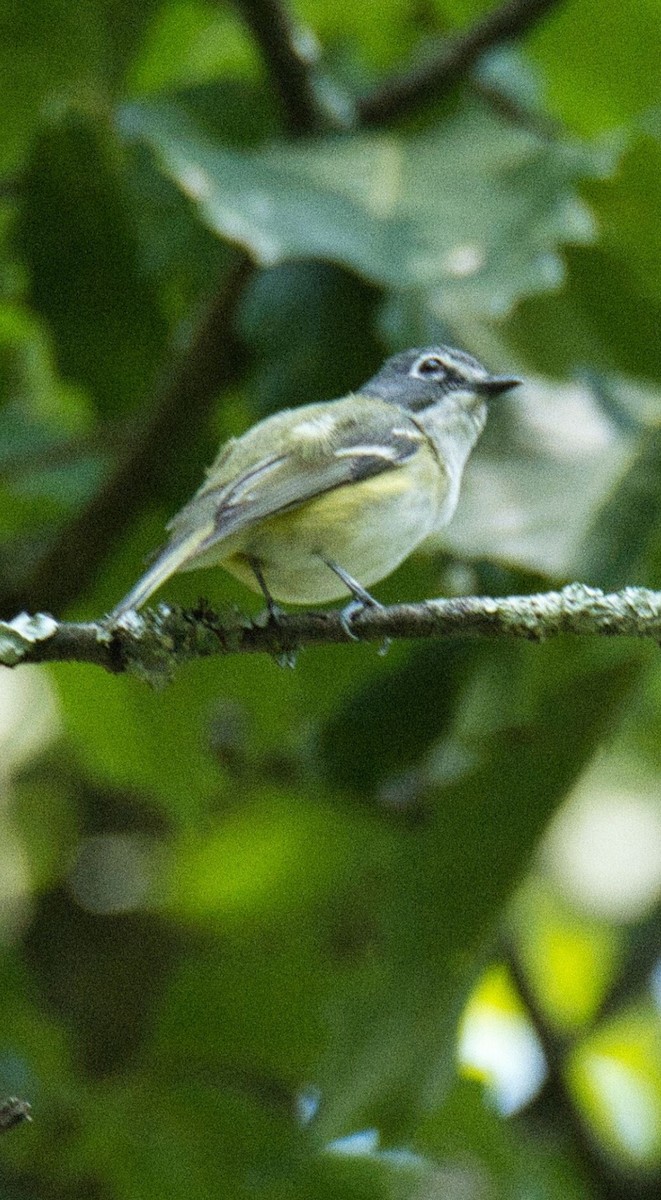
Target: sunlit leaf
{"x": 615, "y": 1077}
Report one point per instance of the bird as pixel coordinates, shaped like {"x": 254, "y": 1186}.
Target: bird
{"x": 317, "y": 503}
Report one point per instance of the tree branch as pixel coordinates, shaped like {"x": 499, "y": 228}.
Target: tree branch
{"x": 288, "y": 63}
{"x": 400, "y": 95}
{"x": 154, "y": 643}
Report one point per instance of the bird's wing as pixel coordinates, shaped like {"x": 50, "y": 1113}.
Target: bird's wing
{"x": 330, "y": 446}
{"x": 323, "y": 454}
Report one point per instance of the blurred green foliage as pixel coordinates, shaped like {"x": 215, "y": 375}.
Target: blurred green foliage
{"x": 241, "y": 918}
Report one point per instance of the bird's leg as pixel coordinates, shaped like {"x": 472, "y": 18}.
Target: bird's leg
{"x": 284, "y": 658}
{"x": 361, "y": 600}
{"x": 275, "y": 612}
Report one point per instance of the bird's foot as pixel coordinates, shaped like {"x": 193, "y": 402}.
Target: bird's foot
{"x": 361, "y": 600}
{"x": 354, "y": 609}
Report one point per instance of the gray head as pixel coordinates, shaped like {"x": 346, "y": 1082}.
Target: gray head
{"x": 417, "y": 379}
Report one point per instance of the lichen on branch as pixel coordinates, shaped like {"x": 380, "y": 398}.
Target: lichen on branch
{"x": 154, "y": 643}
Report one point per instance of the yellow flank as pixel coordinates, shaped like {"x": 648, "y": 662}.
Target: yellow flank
{"x": 369, "y": 528}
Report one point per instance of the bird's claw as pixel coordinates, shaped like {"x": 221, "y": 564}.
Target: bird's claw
{"x": 353, "y": 609}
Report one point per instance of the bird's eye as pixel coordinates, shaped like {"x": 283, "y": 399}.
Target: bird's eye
{"x": 432, "y": 365}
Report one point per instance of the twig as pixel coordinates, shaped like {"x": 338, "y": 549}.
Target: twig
{"x": 401, "y": 94}
{"x": 505, "y": 105}
{"x": 208, "y": 365}
{"x": 153, "y": 643}
{"x": 639, "y": 963}
{"x": 287, "y": 64}
{"x": 14, "y": 1112}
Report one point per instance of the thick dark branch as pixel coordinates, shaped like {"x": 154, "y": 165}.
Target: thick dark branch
{"x": 399, "y": 96}
{"x": 287, "y": 63}
{"x": 190, "y": 388}
{"x": 153, "y": 643}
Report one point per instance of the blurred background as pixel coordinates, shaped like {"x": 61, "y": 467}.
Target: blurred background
{"x": 377, "y": 927}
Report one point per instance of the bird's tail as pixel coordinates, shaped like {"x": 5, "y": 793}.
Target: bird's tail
{"x": 169, "y": 561}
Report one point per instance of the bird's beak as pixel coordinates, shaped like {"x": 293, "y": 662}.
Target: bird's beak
{"x": 496, "y": 385}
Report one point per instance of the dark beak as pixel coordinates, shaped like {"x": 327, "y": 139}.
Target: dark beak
{"x": 497, "y": 384}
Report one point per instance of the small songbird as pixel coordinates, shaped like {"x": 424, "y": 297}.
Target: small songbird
{"x": 316, "y": 503}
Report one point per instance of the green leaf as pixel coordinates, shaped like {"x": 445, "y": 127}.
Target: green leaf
{"x": 627, "y": 207}
{"x": 424, "y": 690}
{"x": 189, "y": 41}
{"x": 600, "y": 61}
{"x": 130, "y": 737}
{"x": 311, "y": 329}
{"x": 76, "y": 230}
{"x": 192, "y": 1136}
{"x": 615, "y": 1071}
{"x": 543, "y": 468}
{"x": 240, "y": 1007}
{"x": 472, "y": 211}
{"x": 48, "y": 48}
{"x": 39, "y": 415}
{"x": 355, "y": 42}
{"x": 621, "y": 546}
{"x": 346, "y": 1171}
{"x": 601, "y": 319}
{"x": 467, "y": 1127}
{"x": 232, "y": 1139}
{"x": 180, "y": 259}
{"x": 103, "y": 975}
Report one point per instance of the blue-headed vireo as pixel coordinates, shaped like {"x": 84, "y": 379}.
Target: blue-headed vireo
{"x": 316, "y": 503}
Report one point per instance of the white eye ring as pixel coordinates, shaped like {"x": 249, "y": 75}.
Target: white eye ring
{"x": 431, "y": 364}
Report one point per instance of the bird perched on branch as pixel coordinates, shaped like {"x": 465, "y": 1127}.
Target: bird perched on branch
{"x": 317, "y": 503}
